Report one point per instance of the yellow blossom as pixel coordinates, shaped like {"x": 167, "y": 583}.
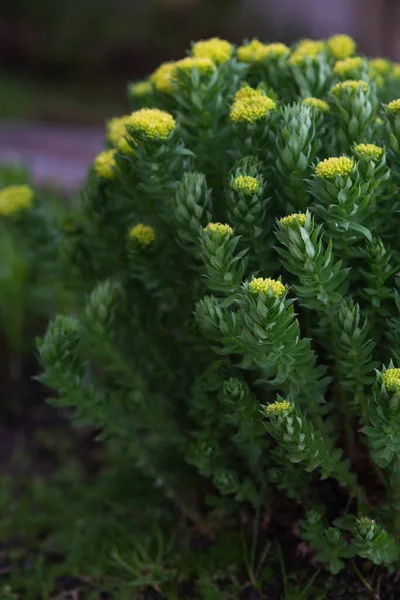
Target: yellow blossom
{"x": 330, "y": 167}
{"x": 104, "y": 164}
{"x": 341, "y": 46}
{"x": 396, "y": 70}
{"x": 221, "y": 230}
{"x": 349, "y": 85}
{"x": 278, "y": 408}
{"x": 256, "y": 51}
{"x": 152, "y": 123}
{"x": 141, "y": 88}
{"x": 369, "y": 150}
{"x": 15, "y": 198}
{"x": 247, "y": 92}
{"x": 347, "y": 66}
{"x": 205, "y": 66}
{"x": 379, "y": 66}
{"x": 391, "y": 379}
{"x": 394, "y": 107}
{"x": 299, "y": 218}
{"x": 317, "y": 103}
{"x": 163, "y": 78}
{"x": 246, "y": 184}
{"x": 117, "y": 134}
{"x": 306, "y": 49}
{"x": 251, "y": 109}
{"x": 260, "y": 285}
{"x": 217, "y": 50}
{"x": 143, "y": 234}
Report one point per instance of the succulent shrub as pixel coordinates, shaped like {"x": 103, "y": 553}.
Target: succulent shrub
{"x": 238, "y": 239}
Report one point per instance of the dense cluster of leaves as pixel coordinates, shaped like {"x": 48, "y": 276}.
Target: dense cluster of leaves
{"x": 240, "y": 253}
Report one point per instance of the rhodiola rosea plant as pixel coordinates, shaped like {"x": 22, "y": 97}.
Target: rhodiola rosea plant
{"x": 239, "y": 239}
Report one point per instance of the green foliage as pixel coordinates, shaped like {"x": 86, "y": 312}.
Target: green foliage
{"x": 211, "y": 374}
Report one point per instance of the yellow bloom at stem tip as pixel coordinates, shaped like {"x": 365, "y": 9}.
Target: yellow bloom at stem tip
{"x": 143, "y": 234}
{"x": 117, "y": 134}
{"x": 341, "y": 46}
{"x": 299, "y": 218}
{"x": 256, "y": 51}
{"x": 246, "y": 184}
{"x": 278, "y": 408}
{"x": 349, "y": 85}
{"x": 163, "y": 78}
{"x": 306, "y": 49}
{"x": 205, "y": 66}
{"x": 330, "y": 167}
{"x": 251, "y": 109}
{"x": 141, "y": 88}
{"x": 379, "y": 66}
{"x": 15, "y": 198}
{"x": 391, "y": 379}
{"x": 347, "y": 66}
{"x": 247, "y": 92}
{"x": 259, "y": 285}
{"x": 317, "y": 103}
{"x": 104, "y": 164}
{"x": 369, "y": 150}
{"x": 221, "y": 230}
{"x": 394, "y": 107}
{"x": 152, "y": 123}
{"x": 215, "y": 49}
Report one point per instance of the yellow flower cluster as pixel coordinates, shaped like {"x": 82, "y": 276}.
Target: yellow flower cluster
{"x": 141, "y": 88}
{"x": 205, "y": 66}
{"x": 299, "y": 218}
{"x": 379, "y": 66}
{"x": 152, "y": 123}
{"x": 117, "y": 134}
{"x": 391, "y": 379}
{"x": 317, "y": 103}
{"x": 347, "y": 66}
{"x": 278, "y": 408}
{"x": 256, "y": 51}
{"x": 220, "y": 229}
{"x": 143, "y": 234}
{"x": 217, "y": 50}
{"x": 251, "y": 108}
{"x": 246, "y": 184}
{"x": 349, "y": 85}
{"x": 163, "y": 78}
{"x": 394, "y": 106}
{"x": 259, "y": 285}
{"x": 396, "y": 70}
{"x": 306, "y": 49}
{"x": 369, "y": 150}
{"x": 247, "y": 92}
{"x": 341, "y": 46}
{"x": 104, "y": 164}
{"x": 330, "y": 167}
{"x": 15, "y": 198}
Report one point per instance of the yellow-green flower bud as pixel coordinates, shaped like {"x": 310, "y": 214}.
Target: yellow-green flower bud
{"x": 205, "y": 66}
{"x": 330, "y": 167}
{"x": 163, "y": 78}
{"x": 299, "y": 218}
{"x": 117, "y": 134}
{"x": 391, "y": 379}
{"x": 259, "y": 285}
{"x": 142, "y": 234}
{"x": 379, "y": 66}
{"x": 247, "y": 92}
{"x": 317, "y": 103}
{"x": 141, "y": 88}
{"x": 251, "y": 109}
{"x": 221, "y": 230}
{"x": 256, "y": 51}
{"x": 349, "y": 85}
{"x": 394, "y": 107}
{"x": 15, "y": 199}
{"x": 278, "y": 408}
{"x": 369, "y": 151}
{"x": 246, "y": 184}
{"x": 306, "y": 49}
{"x": 152, "y": 123}
{"x": 396, "y": 70}
{"x": 104, "y": 164}
{"x": 217, "y": 50}
{"x": 341, "y": 46}
{"x": 347, "y": 66}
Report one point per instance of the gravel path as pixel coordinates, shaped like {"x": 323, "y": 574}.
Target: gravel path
{"x": 55, "y": 154}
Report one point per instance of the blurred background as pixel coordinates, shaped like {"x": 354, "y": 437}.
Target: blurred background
{"x": 65, "y": 65}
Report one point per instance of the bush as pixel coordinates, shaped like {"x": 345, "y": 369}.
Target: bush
{"x": 241, "y": 338}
